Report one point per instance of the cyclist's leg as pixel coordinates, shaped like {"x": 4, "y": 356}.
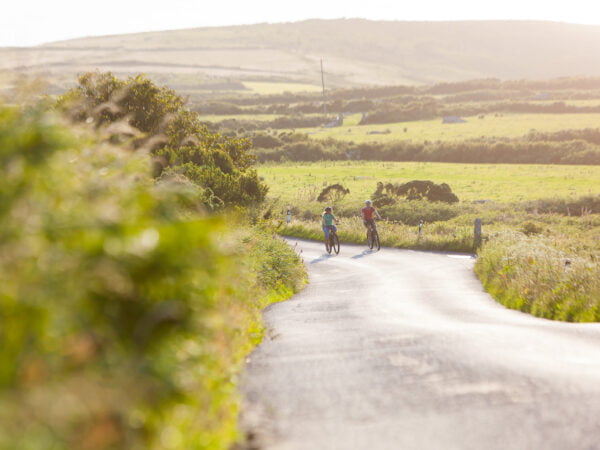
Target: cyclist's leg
{"x": 326, "y": 231}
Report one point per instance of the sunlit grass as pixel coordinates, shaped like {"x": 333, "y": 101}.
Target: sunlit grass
{"x": 351, "y": 230}
{"x": 497, "y": 182}
{"x": 556, "y": 277}
{"x": 491, "y": 126}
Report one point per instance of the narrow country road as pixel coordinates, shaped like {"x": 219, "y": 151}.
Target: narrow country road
{"x": 404, "y": 350}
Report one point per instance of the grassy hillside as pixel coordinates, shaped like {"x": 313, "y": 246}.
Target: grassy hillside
{"x": 356, "y": 52}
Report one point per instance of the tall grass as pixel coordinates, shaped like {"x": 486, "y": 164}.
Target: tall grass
{"x": 543, "y": 276}
{"x": 438, "y": 236}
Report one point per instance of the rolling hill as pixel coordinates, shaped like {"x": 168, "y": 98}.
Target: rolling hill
{"x": 355, "y": 51}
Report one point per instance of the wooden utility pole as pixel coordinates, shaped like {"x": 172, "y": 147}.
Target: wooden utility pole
{"x": 323, "y": 83}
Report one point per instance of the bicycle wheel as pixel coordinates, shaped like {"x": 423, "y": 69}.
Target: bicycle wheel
{"x": 336, "y": 244}
{"x": 376, "y": 240}
{"x": 370, "y": 239}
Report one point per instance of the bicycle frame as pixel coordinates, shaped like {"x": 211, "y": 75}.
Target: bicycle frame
{"x": 332, "y": 242}
{"x": 372, "y": 236}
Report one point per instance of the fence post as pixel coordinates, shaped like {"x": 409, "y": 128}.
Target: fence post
{"x": 477, "y": 234}
{"x": 420, "y": 228}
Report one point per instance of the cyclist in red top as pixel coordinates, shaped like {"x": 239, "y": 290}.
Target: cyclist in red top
{"x": 367, "y": 215}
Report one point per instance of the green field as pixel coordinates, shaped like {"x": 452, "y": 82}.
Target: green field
{"x": 491, "y": 126}
{"x": 497, "y": 182}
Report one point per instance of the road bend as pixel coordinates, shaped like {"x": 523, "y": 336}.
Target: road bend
{"x": 403, "y": 349}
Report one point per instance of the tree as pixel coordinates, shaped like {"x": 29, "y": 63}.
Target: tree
{"x": 333, "y": 193}
{"x": 413, "y": 190}
{"x": 174, "y": 134}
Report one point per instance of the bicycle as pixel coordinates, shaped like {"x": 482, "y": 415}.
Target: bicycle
{"x": 333, "y": 242}
{"x": 372, "y": 236}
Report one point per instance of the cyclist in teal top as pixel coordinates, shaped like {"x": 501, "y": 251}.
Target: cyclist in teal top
{"x": 328, "y": 219}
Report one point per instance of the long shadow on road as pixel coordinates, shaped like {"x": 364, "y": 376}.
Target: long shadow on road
{"x": 325, "y": 257}
{"x": 321, "y": 258}
{"x": 363, "y": 254}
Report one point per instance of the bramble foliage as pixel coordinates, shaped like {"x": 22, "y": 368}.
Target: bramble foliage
{"x": 106, "y": 98}
{"x": 387, "y": 195}
{"x": 124, "y": 312}
{"x": 333, "y": 192}
{"x": 182, "y": 144}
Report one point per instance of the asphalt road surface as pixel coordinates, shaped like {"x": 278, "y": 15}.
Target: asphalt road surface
{"x": 404, "y": 350}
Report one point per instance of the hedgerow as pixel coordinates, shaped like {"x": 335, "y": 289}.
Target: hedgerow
{"x": 125, "y": 308}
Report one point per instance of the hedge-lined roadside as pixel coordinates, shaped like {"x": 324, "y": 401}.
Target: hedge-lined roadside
{"x": 556, "y": 278}
{"x": 125, "y": 311}
{"x": 548, "y": 270}
{"x": 438, "y": 236}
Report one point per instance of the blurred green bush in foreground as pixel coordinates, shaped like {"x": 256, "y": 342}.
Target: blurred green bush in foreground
{"x": 125, "y": 312}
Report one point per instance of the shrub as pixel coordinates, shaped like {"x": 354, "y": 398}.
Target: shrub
{"x": 173, "y": 133}
{"x": 414, "y": 190}
{"x": 125, "y": 314}
{"x": 333, "y": 193}
{"x": 263, "y": 140}
{"x": 531, "y": 228}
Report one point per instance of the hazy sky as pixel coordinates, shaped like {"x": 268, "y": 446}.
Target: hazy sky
{"x": 30, "y": 22}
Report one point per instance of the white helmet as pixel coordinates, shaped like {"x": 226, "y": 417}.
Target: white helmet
{"x": 368, "y": 202}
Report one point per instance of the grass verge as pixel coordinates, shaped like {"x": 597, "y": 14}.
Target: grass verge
{"x": 543, "y": 276}
{"x": 438, "y": 236}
